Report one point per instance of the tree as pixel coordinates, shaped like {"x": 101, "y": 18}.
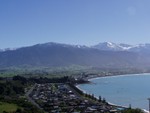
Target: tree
{"x": 132, "y": 111}
{"x": 1, "y": 89}
{"x": 104, "y": 100}
{"x": 100, "y": 99}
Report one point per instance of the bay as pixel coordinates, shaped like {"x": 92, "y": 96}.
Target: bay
{"x": 121, "y": 90}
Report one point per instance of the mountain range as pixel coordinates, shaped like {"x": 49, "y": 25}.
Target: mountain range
{"x": 102, "y": 55}
{"x": 122, "y": 47}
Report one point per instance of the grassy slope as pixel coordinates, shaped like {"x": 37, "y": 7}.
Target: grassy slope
{"x": 7, "y": 107}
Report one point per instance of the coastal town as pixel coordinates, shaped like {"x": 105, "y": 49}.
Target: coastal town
{"x": 63, "y": 98}
{"x": 52, "y": 95}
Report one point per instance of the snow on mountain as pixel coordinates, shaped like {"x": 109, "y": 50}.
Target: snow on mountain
{"x": 109, "y": 46}
{"x": 61, "y": 44}
{"x": 7, "y": 49}
{"x": 141, "y": 48}
{"x": 125, "y": 46}
{"x": 106, "y": 46}
{"x": 112, "y": 46}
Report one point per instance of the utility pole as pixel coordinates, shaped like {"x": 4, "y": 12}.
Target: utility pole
{"x": 149, "y": 104}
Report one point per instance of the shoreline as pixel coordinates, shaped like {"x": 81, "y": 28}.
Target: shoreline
{"x": 99, "y": 77}
{"x": 97, "y": 98}
{"x": 105, "y": 76}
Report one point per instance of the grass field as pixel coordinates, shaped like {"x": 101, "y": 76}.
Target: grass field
{"x": 7, "y": 107}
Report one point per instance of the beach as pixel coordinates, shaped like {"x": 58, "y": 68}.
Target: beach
{"x": 89, "y": 88}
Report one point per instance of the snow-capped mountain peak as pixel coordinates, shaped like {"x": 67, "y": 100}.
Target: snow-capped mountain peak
{"x": 109, "y": 46}
{"x": 112, "y": 46}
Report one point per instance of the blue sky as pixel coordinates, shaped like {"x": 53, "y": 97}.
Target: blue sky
{"x": 84, "y": 22}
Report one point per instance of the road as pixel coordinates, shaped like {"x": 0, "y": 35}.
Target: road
{"x": 30, "y": 99}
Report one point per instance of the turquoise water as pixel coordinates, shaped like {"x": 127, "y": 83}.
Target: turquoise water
{"x": 122, "y": 90}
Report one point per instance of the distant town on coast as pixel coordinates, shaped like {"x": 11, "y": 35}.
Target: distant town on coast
{"x": 74, "y": 56}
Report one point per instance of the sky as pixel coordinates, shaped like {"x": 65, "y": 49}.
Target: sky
{"x": 83, "y": 22}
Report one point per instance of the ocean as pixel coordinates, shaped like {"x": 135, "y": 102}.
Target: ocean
{"x": 121, "y": 90}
